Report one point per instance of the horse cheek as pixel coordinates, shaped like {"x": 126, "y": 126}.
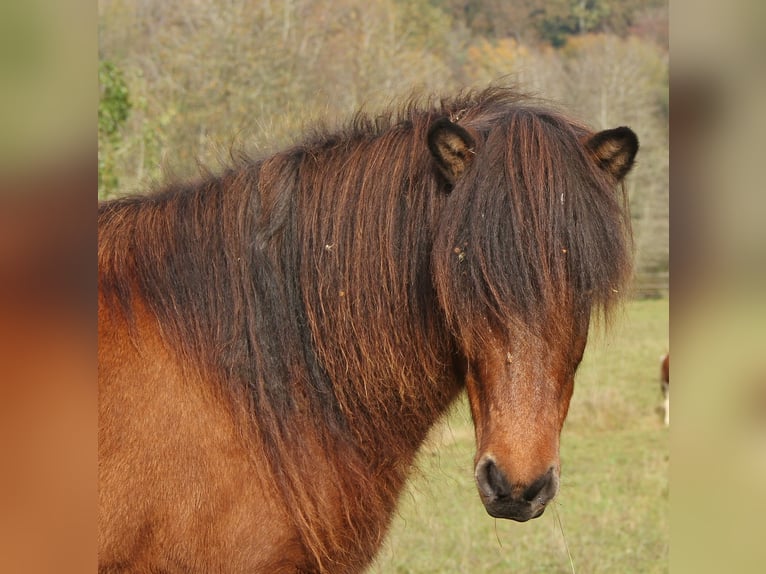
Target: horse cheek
{"x": 478, "y": 403}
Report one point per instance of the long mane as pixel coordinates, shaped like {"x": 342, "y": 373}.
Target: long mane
{"x": 333, "y": 281}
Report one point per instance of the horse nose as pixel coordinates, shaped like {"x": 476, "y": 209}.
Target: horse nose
{"x": 517, "y": 502}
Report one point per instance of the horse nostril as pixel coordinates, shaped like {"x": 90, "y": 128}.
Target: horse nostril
{"x": 491, "y": 480}
{"x": 542, "y": 483}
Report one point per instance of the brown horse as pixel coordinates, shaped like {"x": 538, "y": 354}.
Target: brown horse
{"x": 275, "y": 342}
{"x": 665, "y": 386}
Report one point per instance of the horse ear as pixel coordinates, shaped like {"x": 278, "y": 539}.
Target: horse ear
{"x": 452, "y": 147}
{"x": 615, "y": 150}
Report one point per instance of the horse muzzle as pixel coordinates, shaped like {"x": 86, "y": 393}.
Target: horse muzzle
{"x": 519, "y": 502}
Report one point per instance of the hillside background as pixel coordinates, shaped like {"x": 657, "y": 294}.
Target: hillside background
{"x": 185, "y": 83}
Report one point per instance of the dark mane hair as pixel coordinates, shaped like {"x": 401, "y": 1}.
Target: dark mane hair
{"x": 305, "y": 262}
{"x": 566, "y": 234}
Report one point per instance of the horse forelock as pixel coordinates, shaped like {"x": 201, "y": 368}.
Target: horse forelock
{"x": 535, "y": 232}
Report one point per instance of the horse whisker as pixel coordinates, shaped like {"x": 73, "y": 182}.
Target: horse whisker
{"x": 563, "y": 536}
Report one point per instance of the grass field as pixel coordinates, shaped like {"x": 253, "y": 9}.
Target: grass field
{"x": 611, "y": 513}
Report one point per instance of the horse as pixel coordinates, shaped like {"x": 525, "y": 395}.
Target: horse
{"x": 665, "y": 386}
{"x": 276, "y": 340}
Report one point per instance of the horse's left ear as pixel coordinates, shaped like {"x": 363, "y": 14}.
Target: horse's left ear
{"x": 452, "y": 147}
{"x": 615, "y": 150}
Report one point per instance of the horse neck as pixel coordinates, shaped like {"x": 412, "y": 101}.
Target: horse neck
{"x": 319, "y": 335}
{"x": 370, "y": 302}
{"x": 347, "y": 285}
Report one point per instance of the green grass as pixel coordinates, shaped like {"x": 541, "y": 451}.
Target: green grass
{"x": 611, "y": 513}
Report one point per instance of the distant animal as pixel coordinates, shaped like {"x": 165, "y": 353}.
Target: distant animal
{"x": 276, "y": 341}
{"x": 665, "y": 386}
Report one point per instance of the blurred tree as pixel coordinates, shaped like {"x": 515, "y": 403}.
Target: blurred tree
{"x": 113, "y": 110}
{"x": 551, "y": 21}
{"x": 651, "y": 22}
{"x": 210, "y": 78}
{"x": 557, "y": 20}
{"x": 624, "y": 81}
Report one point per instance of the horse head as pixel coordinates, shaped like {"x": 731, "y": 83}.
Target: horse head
{"x": 531, "y": 242}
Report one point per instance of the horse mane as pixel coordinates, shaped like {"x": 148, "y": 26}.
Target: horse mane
{"x": 334, "y": 279}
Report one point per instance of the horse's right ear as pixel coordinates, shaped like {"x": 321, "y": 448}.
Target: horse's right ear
{"x": 452, "y": 147}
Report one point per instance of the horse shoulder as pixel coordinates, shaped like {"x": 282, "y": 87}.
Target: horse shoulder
{"x": 178, "y": 486}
